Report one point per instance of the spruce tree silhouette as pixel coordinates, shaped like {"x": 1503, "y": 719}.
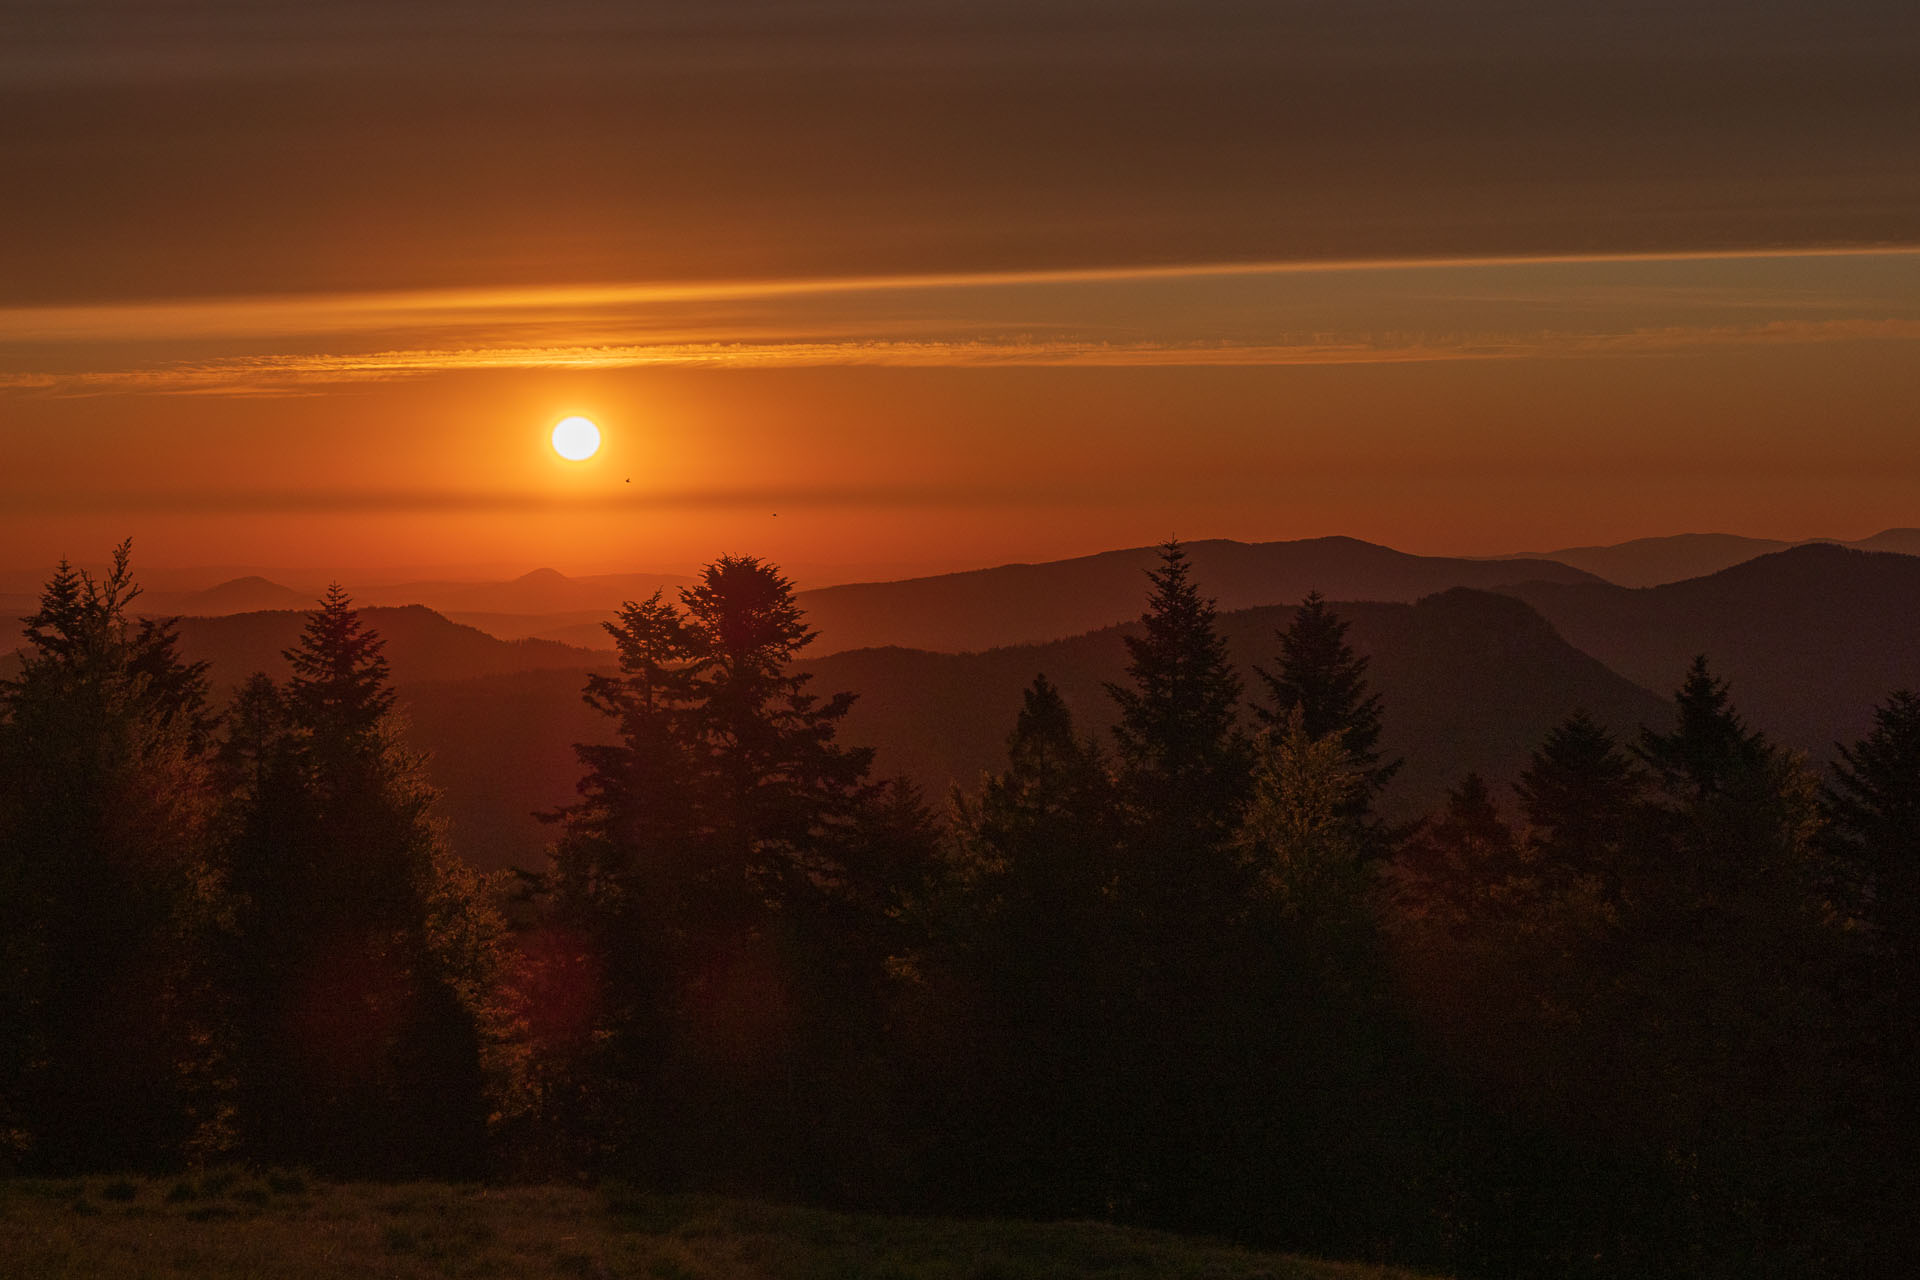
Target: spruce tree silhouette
{"x": 1320, "y": 674}
{"x": 1183, "y": 776}
{"x": 1301, "y": 838}
{"x": 1463, "y": 866}
{"x": 1581, "y": 794}
{"x": 1709, "y": 749}
{"x": 106, "y": 804}
{"x": 361, "y": 949}
{"x": 1031, "y": 934}
{"x": 726, "y": 841}
{"x": 1041, "y": 831}
{"x": 1735, "y": 809}
{"x": 1873, "y": 805}
{"x": 1183, "y": 760}
{"x": 776, "y": 789}
{"x": 339, "y": 692}
{"x": 1872, "y": 802}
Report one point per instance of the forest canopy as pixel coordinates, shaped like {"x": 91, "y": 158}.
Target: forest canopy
{"x": 1651, "y": 1010}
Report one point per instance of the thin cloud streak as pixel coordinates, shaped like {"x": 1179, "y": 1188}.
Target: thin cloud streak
{"x": 291, "y": 315}
{"x": 302, "y": 374}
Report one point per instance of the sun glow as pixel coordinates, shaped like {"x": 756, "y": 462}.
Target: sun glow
{"x": 576, "y": 439}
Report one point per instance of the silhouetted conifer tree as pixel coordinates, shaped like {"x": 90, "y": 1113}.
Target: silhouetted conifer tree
{"x": 1872, "y": 802}
{"x": 776, "y": 791}
{"x": 1738, "y": 813}
{"x": 362, "y": 951}
{"x": 728, "y": 880}
{"x": 1873, "y": 805}
{"x": 1322, "y": 676}
{"x": 106, "y": 802}
{"x": 1581, "y": 795}
{"x": 1709, "y": 750}
{"x": 1183, "y": 776}
{"x": 1028, "y": 931}
{"x": 1183, "y": 760}
{"x": 1464, "y": 866}
{"x": 1300, "y": 837}
{"x": 1039, "y": 838}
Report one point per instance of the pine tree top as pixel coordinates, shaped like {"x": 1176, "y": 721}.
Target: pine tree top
{"x": 743, "y": 607}
{"x": 81, "y": 631}
{"x": 1325, "y": 680}
{"x": 1179, "y": 715}
{"x": 340, "y": 685}
{"x": 1709, "y": 747}
{"x": 1578, "y": 776}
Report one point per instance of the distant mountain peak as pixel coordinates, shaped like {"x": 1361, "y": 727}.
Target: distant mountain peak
{"x": 542, "y": 577}
{"x": 248, "y": 594}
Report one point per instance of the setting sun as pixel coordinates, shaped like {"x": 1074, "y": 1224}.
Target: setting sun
{"x": 576, "y": 439}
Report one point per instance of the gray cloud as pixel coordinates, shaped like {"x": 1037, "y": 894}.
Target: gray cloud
{"x": 156, "y": 149}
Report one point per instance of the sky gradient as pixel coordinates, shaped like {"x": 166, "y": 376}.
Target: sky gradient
{"x": 945, "y": 284}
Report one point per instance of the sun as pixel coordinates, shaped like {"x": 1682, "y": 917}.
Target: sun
{"x": 576, "y": 439}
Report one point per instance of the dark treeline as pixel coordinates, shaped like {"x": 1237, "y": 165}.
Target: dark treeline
{"x": 1652, "y": 1014}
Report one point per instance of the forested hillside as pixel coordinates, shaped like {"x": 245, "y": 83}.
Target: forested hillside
{"x": 1179, "y": 955}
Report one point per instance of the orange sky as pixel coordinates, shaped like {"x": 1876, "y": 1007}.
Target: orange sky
{"x": 951, "y": 285}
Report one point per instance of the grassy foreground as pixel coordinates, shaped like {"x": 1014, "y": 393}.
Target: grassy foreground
{"x": 228, "y": 1224}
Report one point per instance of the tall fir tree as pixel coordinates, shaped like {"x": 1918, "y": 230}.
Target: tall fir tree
{"x": 1028, "y": 932}
{"x": 1581, "y": 796}
{"x": 1709, "y": 750}
{"x": 1038, "y": 836}
{"x": 1183, "y": 776}
{"x": 1872, "y": 801}
{"x": 106, "y": 894}
{"x": 1183, "y": 760}
{"x": 1322, "y": 675}
{"x": 1463, "y": 866}
{"x": 776, "y": 790}
{"x": 363, "y": 953}
{"x": 634, "y": 817}
{"x": 1300, "y": 838}
{"x": 1737, "y": 811}
{"x": 727, "y": 864}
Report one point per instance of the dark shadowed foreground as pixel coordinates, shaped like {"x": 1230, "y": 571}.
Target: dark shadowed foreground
{"x": 227, "y": 1224}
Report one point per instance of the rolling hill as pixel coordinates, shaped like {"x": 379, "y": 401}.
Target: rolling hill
{"x": 1811, "y": 638}
{"x": 544, "y": 591}
{"x": 1468, "y": 681}
{"x": 1033, "y": 603}
{"x": 421, "y": 645}
{"x": 1650, "y": 562}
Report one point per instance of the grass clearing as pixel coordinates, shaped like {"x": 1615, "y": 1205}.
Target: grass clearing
{"x": 234, "y": 1225}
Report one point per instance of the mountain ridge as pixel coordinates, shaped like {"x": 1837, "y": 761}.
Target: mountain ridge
{"x": 1810, "y": 639}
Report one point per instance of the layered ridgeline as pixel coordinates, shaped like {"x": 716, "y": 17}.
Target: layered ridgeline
{"x": 1468, "y": 680}
{"x": 1649, "y": 562}
{"x": 1031, "y": 603}
{"x": 1811, "y": 639}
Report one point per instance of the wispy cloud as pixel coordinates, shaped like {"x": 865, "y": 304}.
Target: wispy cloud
{"x": 1275, "y": 313}
{"x": 298, "y": 374}
{"x": 322, "y": 314}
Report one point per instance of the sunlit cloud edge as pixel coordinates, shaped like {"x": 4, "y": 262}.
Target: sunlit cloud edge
{"x": 295, "y": 374}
